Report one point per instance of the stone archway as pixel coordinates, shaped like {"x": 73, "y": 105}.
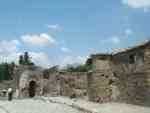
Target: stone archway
{"x": 32, "y": 88}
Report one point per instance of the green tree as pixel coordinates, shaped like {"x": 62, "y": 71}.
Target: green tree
{"x": 25, "y": 59}
{"x": 80, "y": 68}
{"x": 5, "y": 71}
{"x": 2, "y": 72}
{"x": 11, "y": 69}
{"x": 21, "y": 60}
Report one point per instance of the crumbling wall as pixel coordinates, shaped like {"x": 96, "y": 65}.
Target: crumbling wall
{"x": 24, "y": 83}
{"x": 72, "y": 84}
{"x": 133, "y": 88}
{"x": 120, "y": 78}
{"x": 100, "y": 81}
{"x": 52, "y": 85}
{"x": 131, "y": 77}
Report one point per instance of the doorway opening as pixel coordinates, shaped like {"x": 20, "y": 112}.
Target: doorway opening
{"x": 32, "y": 89}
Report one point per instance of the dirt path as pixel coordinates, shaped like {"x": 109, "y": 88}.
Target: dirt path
{"x": 66, "y": 105}
{"x": 34, "y": 106}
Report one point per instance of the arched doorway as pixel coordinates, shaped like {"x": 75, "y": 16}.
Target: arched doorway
{"x": 32, "y": 89}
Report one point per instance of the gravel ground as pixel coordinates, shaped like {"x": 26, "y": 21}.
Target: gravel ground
{"x": 100, "y": 108}
{"x": 66, "y": 105}
{"x": 34, "y": 106}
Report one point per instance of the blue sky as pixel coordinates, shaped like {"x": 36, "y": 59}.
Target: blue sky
{"x": 62, "y": 32}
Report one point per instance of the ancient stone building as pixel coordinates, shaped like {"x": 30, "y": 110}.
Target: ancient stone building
{"x": 30, "y": 84}
{"x": 28, "y": 81}
{"x": 123, "y": 76}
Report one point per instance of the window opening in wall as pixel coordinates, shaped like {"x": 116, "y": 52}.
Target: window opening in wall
{"x": 132, "y": 59}
{"x": 141, "y": 57}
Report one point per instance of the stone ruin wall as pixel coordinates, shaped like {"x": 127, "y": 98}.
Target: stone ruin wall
{"x": 51, "y": 86}
{"x": 72, "y": 84}
{"x": 131, "y": 79}
{"x": 100, "y": 80}
{"x": 14, "y": 84}
{"x": 23, "y": 76}
{"x": 24, "y": 83}
{"x": 113, "y": 80}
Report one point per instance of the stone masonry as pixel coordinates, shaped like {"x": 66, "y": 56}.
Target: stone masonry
{"x": 123, "y": 76}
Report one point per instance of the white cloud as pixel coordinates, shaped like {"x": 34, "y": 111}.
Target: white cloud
{"x": 7, "y": 47}
{"x": 40, "y": 58}
{"x": 115, "y": 40}
{"x": 128, "y": 32}
{"x": 11, "y": 57}
{"x": 112, "y": 40}
{"x": 65, "y": 50}
{"x": 137, "y": 3}
{"x": 9, "y": 51}
{"x": 55, "y": 27}
{"x": 42, "y": 40}
{"x": 73, "y": 60}
{"x": 118, "y": 39}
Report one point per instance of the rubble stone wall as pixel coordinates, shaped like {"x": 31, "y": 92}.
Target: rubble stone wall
{"x": 118, "y": 79}
{"x": 100, "y": 80}
{"x": 24, "y": 83}
{"x": 72, "y": 84}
